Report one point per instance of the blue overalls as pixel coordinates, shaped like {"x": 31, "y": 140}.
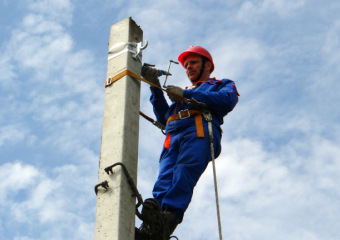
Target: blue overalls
{"x": 185, "y": 156}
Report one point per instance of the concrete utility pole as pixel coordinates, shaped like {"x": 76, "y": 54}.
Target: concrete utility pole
{"x": 115, "y": 215}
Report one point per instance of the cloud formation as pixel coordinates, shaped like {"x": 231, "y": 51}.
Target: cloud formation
{"x": 279, "y": 168}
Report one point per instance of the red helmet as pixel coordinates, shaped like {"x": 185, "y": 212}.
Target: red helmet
{"x": 198, "y": 50}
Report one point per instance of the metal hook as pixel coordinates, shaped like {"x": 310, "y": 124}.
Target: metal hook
{"x": 104, "y": 184}
{"x": 109, "y": 170}
{"x": 139, "y": 48}
{"x": 145, "y": 45}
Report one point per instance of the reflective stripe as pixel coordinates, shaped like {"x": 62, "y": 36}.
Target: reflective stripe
{"x": 167, "y": 141}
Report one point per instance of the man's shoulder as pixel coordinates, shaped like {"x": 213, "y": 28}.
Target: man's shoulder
{"x": 217, "y": 85}
{"x": 217, "y": 81}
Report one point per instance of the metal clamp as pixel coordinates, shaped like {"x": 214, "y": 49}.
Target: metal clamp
{"x": 136, "y": 49}
{"x": 180, "y": 115}
{"x": 104, "y": 184}
{"x": 159, "y": 125}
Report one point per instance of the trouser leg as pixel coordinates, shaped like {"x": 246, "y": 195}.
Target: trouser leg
{"x": 193, "y": 158}
{"x": 166, "y": 165}
{"x": 181, "y": 167}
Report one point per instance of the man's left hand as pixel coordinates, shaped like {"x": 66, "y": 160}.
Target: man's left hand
{"x": 176, "y": 90}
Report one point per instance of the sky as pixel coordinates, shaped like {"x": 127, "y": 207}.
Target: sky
{"x": 279, "y": 170}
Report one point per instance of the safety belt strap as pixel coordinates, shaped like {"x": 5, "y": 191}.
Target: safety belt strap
{"x": 188, "y": 113}
{"x": 156, "y": 123}
{"x": 111, "y": 80}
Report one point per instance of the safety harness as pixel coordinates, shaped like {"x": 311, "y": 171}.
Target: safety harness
{"x": 201, "y": 110}
{"x": 188, "y": 113}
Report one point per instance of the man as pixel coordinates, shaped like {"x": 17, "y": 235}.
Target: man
{"x": 186, "y": 152}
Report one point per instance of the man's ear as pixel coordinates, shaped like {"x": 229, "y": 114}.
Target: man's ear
{"x": 208, "y": 65}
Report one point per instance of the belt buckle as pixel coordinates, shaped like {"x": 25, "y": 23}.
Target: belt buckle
{"x": 180, "y": 115}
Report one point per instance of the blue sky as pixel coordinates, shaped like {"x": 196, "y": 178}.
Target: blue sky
{"x": 279, "y": 170}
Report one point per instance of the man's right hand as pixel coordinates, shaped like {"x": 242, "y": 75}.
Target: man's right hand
{"x": 151, "y": 75}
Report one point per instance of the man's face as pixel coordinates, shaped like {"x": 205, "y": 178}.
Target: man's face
{"x": 193, "y": 65}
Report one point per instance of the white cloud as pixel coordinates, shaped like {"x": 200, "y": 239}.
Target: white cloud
{"x": 12, "y": 133}
{"x": 235, "y": 54}
{"x": 270, "y": 193}
{"x": 23, "y": 238}
{"x": 39, "y": 203}
{"x": 253, "y": 10}
{"x": 247, "y": 171}
{"x": 15, "y": 177}
{"x": 282, "y": 6}
{"x": 278, "y": 171}
{"x": 61, "y": 105}
{"x": 7, "y": 71}
{"x": 331, "y": 45}
{"x": 60, "y": 86}
{"x": 56, "y": 10}
{"x": 43, "y": 199}
{"x": 41, "y": 45}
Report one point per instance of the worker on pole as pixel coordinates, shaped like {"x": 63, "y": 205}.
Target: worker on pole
{"x": 186, "y": 151}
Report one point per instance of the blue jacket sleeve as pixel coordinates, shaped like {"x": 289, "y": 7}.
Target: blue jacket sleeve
{"x": 160, "y": 106}
{"x": 220, "y": 99}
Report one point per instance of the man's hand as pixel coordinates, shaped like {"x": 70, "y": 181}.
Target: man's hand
{"x": 151, "y": 75}
{"x": 176, "y": 90}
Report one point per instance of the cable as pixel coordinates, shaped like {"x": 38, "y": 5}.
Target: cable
{"x": 208, "y": 117}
